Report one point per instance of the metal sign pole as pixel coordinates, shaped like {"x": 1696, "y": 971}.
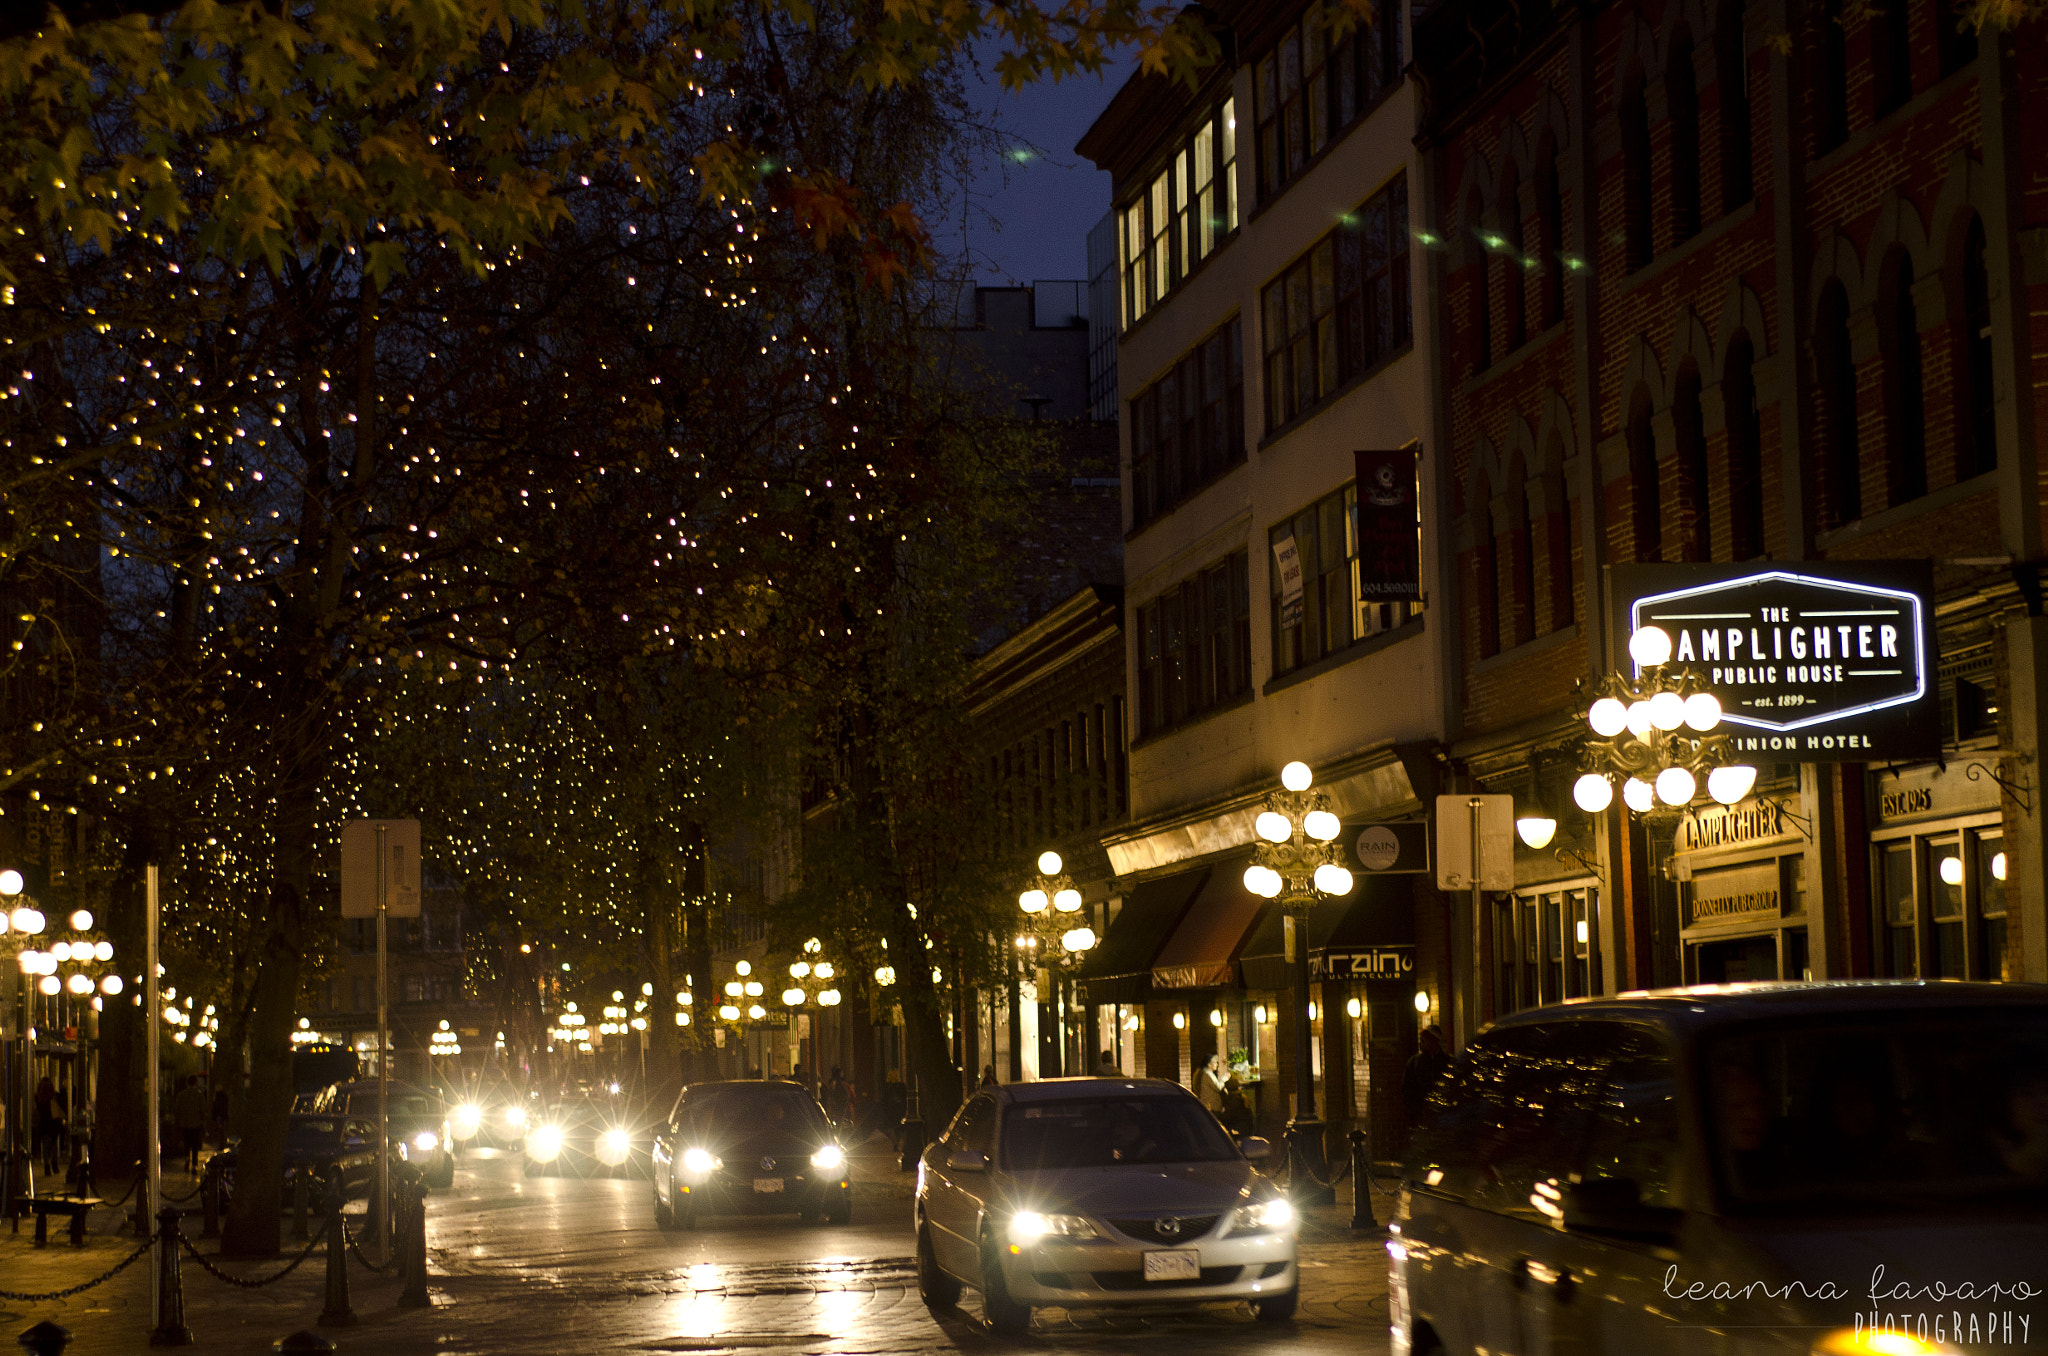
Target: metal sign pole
{"x": 1478, "y": 913}
{"x": 153, "y": 1158}
{"x": 383, "y": 1068}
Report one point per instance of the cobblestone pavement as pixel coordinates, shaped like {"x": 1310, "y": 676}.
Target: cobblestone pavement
{"x": 564, "y": 1266}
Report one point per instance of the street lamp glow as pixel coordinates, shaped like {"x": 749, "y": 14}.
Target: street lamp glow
{"x": 1032, "y": 901}
{"x": 1333, "y": 879}
{"x": 1638, "y": 795}
{"x": 1608, "y": 717}
{"x": 1667, "y": 710}
{"x": 740, "y": 968}
{"x": 1049, "y": 863}
{"x": 729, "y": 1012}
{"x": 1536, "y": 830}
{"x": 82, "y": 984}
{"x": 1296, "y": 776}
{"x": 11, "y": 882}
{"x": 52, "y": 986}
{"x": 823, "y": 970}
{"x": 103, "y": 951}
{"x": 1262, "y": 881}
{"x": 756, "y": 1011}
{"x": 1650, "y": 646}
{"x": 81, "y": 920}
{"x": 798, "y": 969}
{"x": 1637, "y": 719}
{"x": 1272, "y": 826}
{"x": 1593, "y": 793}
{"x": 829, "y": 999}
{"x": 1675, "y": 786}
{"x": 1422, "y": 1001}
{"x": 111, "y": 985}
{"x": 28, "y": 921}
{"x": 885, "y": 975}
{"x": 1951, "y": 870}
{"x": 1730, "y": 784}
{"x": 1321, "y": 825}
{"x": 1702, "y": 711}
{"x": 1078, "y": 939}
{"x": 793, "y": 997}
{"x": 1067, "y": 901}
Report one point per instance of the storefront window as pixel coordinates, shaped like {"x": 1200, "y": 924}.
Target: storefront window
{"x": 1543, "y": 944}
{"x": 1990, "y": 854}
{"x": 1898, "y": 958}
{"x": 1941, "y": 903}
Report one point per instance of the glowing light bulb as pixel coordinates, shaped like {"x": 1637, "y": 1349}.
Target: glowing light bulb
{"x": 1650, "y": 646}
{"x": 1592, "y": 793}
{"x": 1638, "y": 795}
{"x": 1049, "y": 863}
{"x": 1667, "y": 710}
{"x": 1675, "y": 786}
{"x": 1730, "y": 784}
{"x": 1608, "y": 717}
{"x": 1702, "y": 711}
{"x": 1321, "y": 825}
{"x": 1296, "y": 776}
{"x": 1333, "y": 879}
{"x": 1273, "y": 826}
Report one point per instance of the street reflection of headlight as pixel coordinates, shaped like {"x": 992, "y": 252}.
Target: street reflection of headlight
{"x": 426, "y": 1141}
{"x": 1878, "y": 1342}
{"x": 544, "y": 1143}
{"x": 828, "y": 1158}
{"x": 698, "y": 1160}
{"x": 468, "y": 1119}
{"x": 515, "y": 1117}
{"x": 613, "y": 1146}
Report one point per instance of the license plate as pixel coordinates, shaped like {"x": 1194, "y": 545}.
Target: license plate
{"x": 765, "y": 1185}
{"x": 1183, "y": 1264}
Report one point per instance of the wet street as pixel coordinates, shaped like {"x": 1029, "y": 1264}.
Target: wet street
{"x": 561, "y": 1265}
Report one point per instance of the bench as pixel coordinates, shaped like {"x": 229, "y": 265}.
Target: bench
{"x": 74, "y": 1206}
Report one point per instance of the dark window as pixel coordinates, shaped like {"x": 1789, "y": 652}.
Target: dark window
{"x": 975, "y": 1130}
{"x": 1341, "y": 309}
{"x": 1980, "y": 429}
{"x": 1511, "y": 259}
{"x": 1485, "y": 569}
{"x": 1731, "y": 72}
{"x": 1313, "y": 84}
{"x": 1690, "y": 455}
{"x": 1956, "y": 31}
{"x": 1647, "y": 497}
{"x": 1332, "y": 613}
{"x": 1188, "y": 427}
{"x": 1637, "y": 247}
{"x": 1479, "y": 264}
{"x": 1891, "y": 55}
{"x": 1523, "y": 561}
{"x": 1682, "y": 98}
{"x": 1842, "y": 475}
{"x": 1908, "y": 432}
{"x": 1550, "y": 237}
{"x": 1563, "y": 602}
{"x": 1195, "y": 645}
{"x": 1745, "y": 452}
{"x": 1831, "y": 89}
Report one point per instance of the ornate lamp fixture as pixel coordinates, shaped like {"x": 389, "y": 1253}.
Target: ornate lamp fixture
{"x": 1052, "y": 937}
{"x": 1296, "y": 859}
{"x": 1658, "y": 735}
{"x": 812, "y": 979}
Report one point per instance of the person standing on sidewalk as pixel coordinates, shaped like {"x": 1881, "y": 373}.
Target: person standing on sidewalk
{"x": 188, "y": 1111}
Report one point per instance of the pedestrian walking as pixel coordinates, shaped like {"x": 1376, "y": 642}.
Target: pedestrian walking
{"x": 1425, "y": 1066}
{"x": 988, "y": 1076}
{"x": 188, "y": 1113}
{"x": 838, "y": 1098}
{"x": 1209, "y": 1083}
{"x": 48, "y": 1126}
{"x": 1236, "y": 1111}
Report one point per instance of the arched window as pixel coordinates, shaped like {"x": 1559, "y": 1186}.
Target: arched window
{"x": 1550, "y": 236}
{"x": 1479, "y": 262}
{"x": 1731, "y": 73}
{"x": 1682, "y": 99}
{"x": 1635, "y": 173}
{"x": 1745, "y": 451}
{"x": 1516, "y": 299}
{"x": 1956, "y": 34}
{"x": 1558, "y": 552}
{"x": 1485, "y": 567}
{"x": 1835, "y": 372}
{"x": 1690, "y": 458}
{"x": 1980, "y": 426}
{"x": 1646, "y": 495}
{"x": 1907, "y": 434}
{"x": 1522, "y": 556}
{"x": 1891, "y": 56}
{"x": 1831, "y": 88}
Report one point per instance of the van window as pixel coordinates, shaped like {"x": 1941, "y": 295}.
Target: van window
{"x": 975, "y": 1131}
{"x": 1635, "y": 1126}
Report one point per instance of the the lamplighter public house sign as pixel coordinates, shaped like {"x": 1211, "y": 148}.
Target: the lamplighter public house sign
{"x": 1812, "y": 662}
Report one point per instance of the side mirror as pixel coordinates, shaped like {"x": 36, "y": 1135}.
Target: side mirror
{"x": 1256, "y": 1148}
{"x": 1614, "y": 1206}
{"x": 966, "y": 1160}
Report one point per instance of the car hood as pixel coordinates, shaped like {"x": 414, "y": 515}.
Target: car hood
{"x": 1137, "y": 1190}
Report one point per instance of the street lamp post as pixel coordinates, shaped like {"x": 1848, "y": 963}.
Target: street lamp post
{"x": 1052, "y": 940}
{"x": 1296, "y": 861}
{"x": 1659, "y": 734}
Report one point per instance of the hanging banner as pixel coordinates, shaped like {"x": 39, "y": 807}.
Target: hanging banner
{"x": 1812, "y": 662}
{"x": 1389, "y": 527}
{"x": 1287, "y": 562}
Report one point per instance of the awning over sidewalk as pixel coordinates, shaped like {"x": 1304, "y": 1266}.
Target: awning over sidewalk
{"x": 1120, "y": 969}
{"x": 1380, "y": 912}
{"x": 1200, "y": 952}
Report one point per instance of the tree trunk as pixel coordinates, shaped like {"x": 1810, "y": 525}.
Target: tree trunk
{"x": 658, "y": 905}
{"x": 121, "y": 1118}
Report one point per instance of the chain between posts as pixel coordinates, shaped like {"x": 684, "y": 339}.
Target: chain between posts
{"x": 290, "y": 1267}
{"x": 355, "y": 1248}
{"x": 100, "y": 1279}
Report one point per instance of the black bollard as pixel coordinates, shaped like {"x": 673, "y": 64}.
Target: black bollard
{"x": 45, "y": 1339}
{"x": 170, "y": 1330}
{"x": 209, "y": 1199}
{"x": 305, "y": 1339}
{"x": 1361, "y": 1181}
{"x": 336, "y": 1311}
{"x": 413, "y": 1242}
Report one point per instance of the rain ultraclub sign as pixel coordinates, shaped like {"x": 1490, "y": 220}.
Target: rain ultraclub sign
{"x": 1812, "y": 662}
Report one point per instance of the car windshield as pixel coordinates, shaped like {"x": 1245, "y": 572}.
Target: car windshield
{"x": 752, "y": 1107}
{"x": 1873, "y": 1110}
{"x": 308, "y": 1128}
{"x": 1101, "y": 1132}
{"x": 398, "y": 1106}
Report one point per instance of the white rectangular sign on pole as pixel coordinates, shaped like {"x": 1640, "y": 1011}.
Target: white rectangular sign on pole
{"x": 1456, "y": 862}
{"x": 401, "y": 839}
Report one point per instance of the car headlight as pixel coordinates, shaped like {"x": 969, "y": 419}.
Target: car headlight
{"x": 829, "y": 1158}
{"x": 515, "y": 1117}
{"x": 426, "y": 1141}
{"x": 545, "y": 1142}
{"x": 1878, "y": 1342}
{"x": 1262, "y": 1216}
{"x": 613, "y": 1146}
{"x": 468, "y": 1119}
{"x": 698, "y": 1160}
{"x": 1028, "y": 1226}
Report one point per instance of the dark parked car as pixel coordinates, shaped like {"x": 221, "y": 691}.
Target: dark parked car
{"x": 1737, "y": 1170}
{"x": 586, "y": 1136}
{"x": 750, "y": 1147}
{"x": 318, "y": 1146}
{"x": 419, "y": 1125}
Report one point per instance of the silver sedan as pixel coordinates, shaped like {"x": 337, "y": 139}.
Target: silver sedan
{"x": 1091, "y": 1192}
